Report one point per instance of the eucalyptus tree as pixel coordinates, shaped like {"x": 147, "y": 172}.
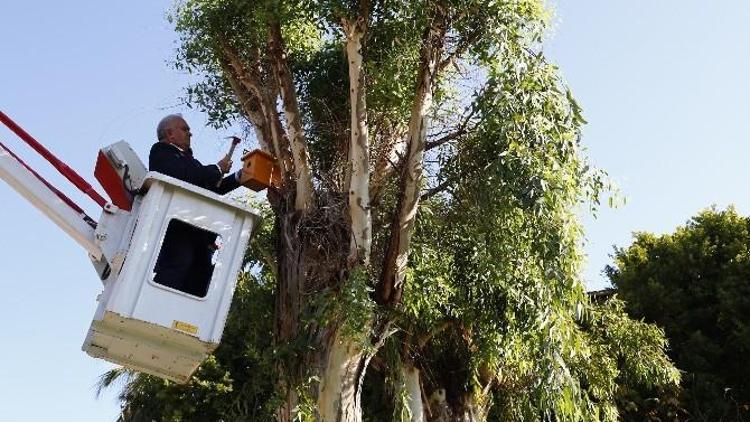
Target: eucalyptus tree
{"x": 431, "y": 170}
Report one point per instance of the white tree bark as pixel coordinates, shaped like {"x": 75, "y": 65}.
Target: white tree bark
{"x": 338, "y": 392}
{"x": 397, "y": 255}
{"x": 300, "y": 154}
{"x": 414, "y": 400}
{"x": 359, "y": 150}
{"x": 413, "y": 175}
{"x": 414, "y": 166}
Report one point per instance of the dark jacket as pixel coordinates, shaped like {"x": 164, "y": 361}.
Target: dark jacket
{"x": 184, "y": 261}
{"x": 168, "y": 159}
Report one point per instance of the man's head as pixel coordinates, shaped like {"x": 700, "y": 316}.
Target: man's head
{"x": 173, "y": 129}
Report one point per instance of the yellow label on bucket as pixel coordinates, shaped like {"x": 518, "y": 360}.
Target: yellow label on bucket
{"x": 184, "y": 326}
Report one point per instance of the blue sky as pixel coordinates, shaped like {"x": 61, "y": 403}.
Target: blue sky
{"x": 663, "y": 86}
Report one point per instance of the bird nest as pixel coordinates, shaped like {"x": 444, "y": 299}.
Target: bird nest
{"x": 319, "y": 239}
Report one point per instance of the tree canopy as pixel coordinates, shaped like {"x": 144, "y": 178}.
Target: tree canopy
{"x": 421, "y": 257}
{"x": 694, "y": 284}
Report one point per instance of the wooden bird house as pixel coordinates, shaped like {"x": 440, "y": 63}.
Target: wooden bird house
{"x": 260, "y": 171}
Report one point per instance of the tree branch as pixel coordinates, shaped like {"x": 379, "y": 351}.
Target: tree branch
{"x": 297, "y": 141}
{"x": 460, "y": 49}
{"x": 423, "y": 339}
{"x": 390, "y": 287}
{"x": 460, "y": 131}
{"x": 250, "y": 107}
{"x": 266, "y": 102}
{"x": 358, "y": 171}
{"x": 435, "y": 190}
{"x": 447, "y": 138}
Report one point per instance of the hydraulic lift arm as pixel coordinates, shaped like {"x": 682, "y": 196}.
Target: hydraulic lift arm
{"x": 49, "y": 201}
{"x": 121, "y": 173}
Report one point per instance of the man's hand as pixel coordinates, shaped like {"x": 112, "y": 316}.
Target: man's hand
{"x": 225, "y": 164}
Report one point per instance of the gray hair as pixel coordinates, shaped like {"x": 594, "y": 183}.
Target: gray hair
{"x": 164, "y": 124}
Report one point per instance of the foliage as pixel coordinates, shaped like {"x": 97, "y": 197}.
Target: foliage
{"x": 497, "y": 260}
{"x": 624, "y": 364}
{"x": 236, "y": 383}
{"x": 694, "y": 284}
{"x": 351, "y": 308}
{"x": 491, "y": 310}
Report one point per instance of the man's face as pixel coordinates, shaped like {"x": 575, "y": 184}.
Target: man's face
{"x": 179, "y": 133}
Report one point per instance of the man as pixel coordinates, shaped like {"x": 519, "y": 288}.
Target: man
{"x": 172, "y": 156}
{"x": 184, "y": 262}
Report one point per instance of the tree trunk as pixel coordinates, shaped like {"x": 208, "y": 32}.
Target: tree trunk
{"x": 340, "y": 368}
{"x": 359, "y": 151}
{"x": 323, "y": 378}
{"x": 390, "y": 288}
{"x": 339, "y": 392}
{"x": 434, "y": 406}
{"x": 288, "y": 305}
{"x": 414, "y": 399}
{"x": 297, "y": 141}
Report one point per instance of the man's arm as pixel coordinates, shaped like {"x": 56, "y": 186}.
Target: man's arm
{"x": 169, "y": 160}
{"x": 228, "y": 184}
